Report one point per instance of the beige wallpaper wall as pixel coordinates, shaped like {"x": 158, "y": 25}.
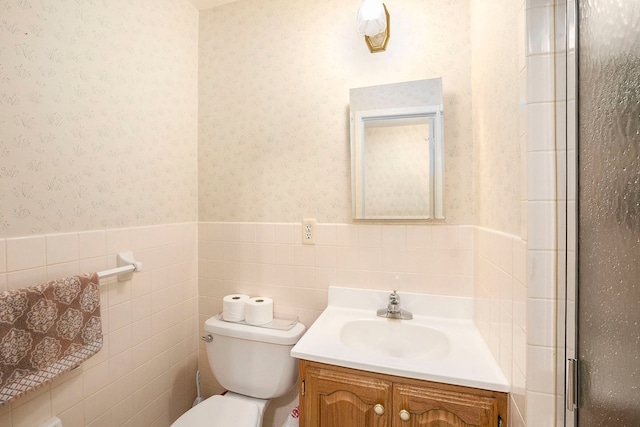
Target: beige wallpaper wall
{"x": 497, "y": 109}
{"x": 274, "y": 97}
{"x": 98, "y": 114}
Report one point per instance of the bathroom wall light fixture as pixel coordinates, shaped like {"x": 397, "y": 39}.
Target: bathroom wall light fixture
{"x": 373, "y": 23}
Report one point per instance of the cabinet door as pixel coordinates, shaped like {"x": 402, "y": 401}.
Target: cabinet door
{"x": 431, "y": 407}
{"x": 340, "y": 399}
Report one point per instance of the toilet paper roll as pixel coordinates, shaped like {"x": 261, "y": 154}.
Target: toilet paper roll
{"x": 258, "y": 311}
{"x": 233, "y": 307}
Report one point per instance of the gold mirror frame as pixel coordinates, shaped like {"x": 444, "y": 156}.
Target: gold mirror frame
{"x": 378, "y": 43}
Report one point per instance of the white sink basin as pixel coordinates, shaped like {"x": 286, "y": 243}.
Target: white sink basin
{"x": 440, "y": 343}
{"x": 391, "y": 337}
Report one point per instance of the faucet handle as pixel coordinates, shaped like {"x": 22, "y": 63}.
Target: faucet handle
{"x": 394, "y": 298}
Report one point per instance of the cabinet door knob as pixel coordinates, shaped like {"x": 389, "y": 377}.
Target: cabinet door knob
{"x": 404, "y": 415}
{"x": 378, "y": 409}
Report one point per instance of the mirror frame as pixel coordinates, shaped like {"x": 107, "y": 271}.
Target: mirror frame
{"x": 436, "y": 158}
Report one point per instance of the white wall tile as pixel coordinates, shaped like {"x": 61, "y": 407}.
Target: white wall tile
{"x": 540, "y": 88}
{"x": 370, "y": 236}
{"x": 369, "y": 258}
{"x": 66, "y": 269}
{"x": 32, "y": 412}
{"x": 539, "y": 3}
{"x": 500, "y": 299}
{"x": 304, "y": 255}
{"x": 540, "y": 369}
{"x": 66, "y": 393}
{"x": 394, "y": 260}
{"x": 326, "y": 234}
{"x": 540, "y": 409}
{"x": 540, "y": 331}
{"x": 444, "y": 237}
{"x": 246, "y": 232}
{"x": 147, "y": 237}
{"x": 265, "y": 233}
{"x": 540, "y": 24}
{"x": 265, "y": 253}
{"x": 3, "y": 255}
{"x": 347, "y": 235}
{"x": 118, "y": 240}
{"x": 26, "y": 252}
{"x": 541, "y": 274}
{"x": 418, "y": 237}
{"x": 520, "y": 260}
{"x": 540, "y": 135}
{"x": 519, "y": 305}
{"x": 105, "y": 380}
{"x": 541, "y": 169}
{"x": 394, "y": 237}
{"x": 92, "y": 244}
{"x": 542, "y": 228}
{"x": 543, "y": 84}
{"x": 325, "y": 256}
{"x": 62, "y": 247}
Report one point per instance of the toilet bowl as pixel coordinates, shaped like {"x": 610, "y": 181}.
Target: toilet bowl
{"x": 252, "y": 362}
{"x": 230, "y": 410}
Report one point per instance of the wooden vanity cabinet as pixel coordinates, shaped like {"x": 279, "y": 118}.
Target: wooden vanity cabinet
{"x": 333, "y": 396}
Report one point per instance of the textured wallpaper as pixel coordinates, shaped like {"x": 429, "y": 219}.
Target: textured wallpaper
{"x": 496, "y": 85}
{"x": 98, "y": 114}
{"x": 274, "y": 103}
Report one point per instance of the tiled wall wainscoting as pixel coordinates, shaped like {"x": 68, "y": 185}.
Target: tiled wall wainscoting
{"x": 267, "y": 259}
{"x": 144, "y": 374}
{"x": 500, "y": 294}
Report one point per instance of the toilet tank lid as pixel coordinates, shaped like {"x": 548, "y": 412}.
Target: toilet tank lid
{"x": 214, "y": 325}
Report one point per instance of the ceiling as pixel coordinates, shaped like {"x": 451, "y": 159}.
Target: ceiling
{"x": 207, "y": 4}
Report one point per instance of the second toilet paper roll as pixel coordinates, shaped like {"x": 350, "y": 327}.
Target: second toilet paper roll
{"x": 258, "y": 311}
{"x": 233, "y": 307}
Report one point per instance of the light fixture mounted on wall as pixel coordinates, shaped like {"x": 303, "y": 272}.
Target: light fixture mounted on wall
{"x": 373, "y": 23}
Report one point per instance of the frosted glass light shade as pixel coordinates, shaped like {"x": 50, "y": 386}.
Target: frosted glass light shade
{"x": 372, "y": 19}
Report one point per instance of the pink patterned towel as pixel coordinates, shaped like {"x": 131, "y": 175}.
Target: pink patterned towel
{"x": 47, "y": 330}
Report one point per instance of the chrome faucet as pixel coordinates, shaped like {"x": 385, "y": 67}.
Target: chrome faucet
{"x": 393, "y": 310}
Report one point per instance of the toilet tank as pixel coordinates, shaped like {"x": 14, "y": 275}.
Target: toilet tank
{"x": 252, "y": 360}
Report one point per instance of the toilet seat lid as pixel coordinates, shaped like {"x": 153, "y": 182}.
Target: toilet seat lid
{"x": 218, "y": 411}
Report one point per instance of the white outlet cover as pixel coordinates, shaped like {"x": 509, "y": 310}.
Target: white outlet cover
{"x": 309, "y": 231}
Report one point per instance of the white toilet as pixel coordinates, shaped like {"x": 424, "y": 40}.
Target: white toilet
{"x": 253, "y": 363}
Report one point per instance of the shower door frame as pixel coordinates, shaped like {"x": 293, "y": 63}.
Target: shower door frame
{"x": 566, "y": 36}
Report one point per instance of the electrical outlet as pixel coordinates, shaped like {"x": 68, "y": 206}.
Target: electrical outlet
{"x": 309, "y": 231}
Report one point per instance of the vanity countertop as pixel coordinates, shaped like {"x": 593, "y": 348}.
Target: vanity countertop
{"x": 464, "y": 359}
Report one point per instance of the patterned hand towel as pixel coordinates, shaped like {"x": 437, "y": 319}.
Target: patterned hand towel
{"x": 47, "y": 330}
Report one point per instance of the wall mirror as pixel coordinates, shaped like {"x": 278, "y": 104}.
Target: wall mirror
{"x": 397, "y": 150}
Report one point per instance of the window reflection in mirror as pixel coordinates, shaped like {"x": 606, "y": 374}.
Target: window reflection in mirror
{"x": 397, "y": 151}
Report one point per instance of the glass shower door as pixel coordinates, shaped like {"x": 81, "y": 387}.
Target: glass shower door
{"x": 608, "y": 202}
